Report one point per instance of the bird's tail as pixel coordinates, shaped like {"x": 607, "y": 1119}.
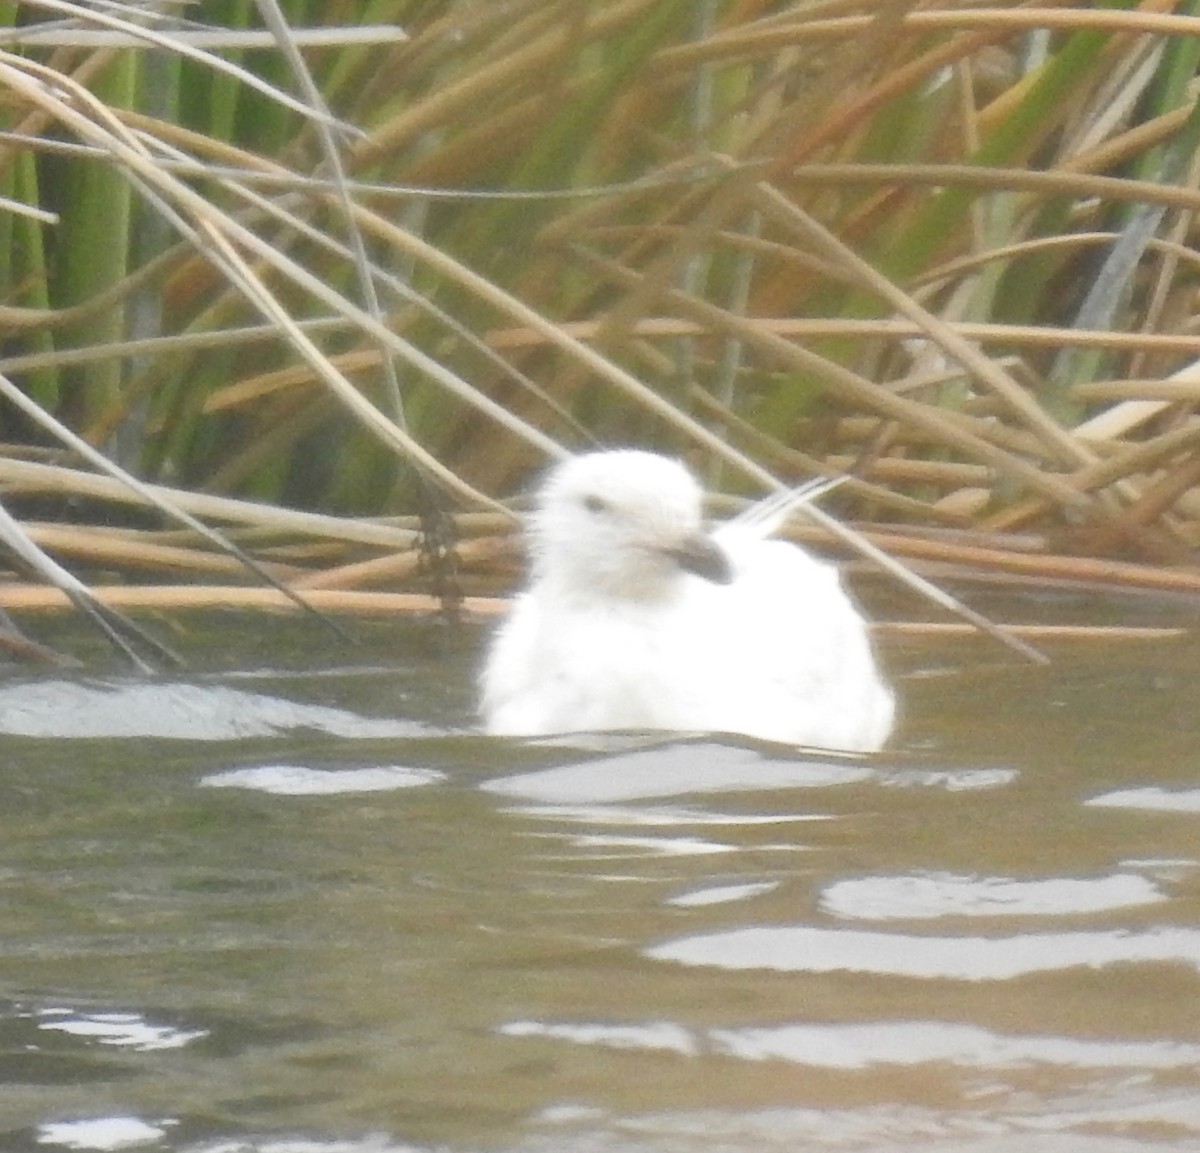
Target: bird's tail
{"x": 770, "y": 514}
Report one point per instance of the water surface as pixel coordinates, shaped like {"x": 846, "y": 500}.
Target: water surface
{"x": 291, "y": 902}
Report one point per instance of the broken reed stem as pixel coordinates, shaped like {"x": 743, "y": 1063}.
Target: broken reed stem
{"x": 113, "y": 550}
{"x": 38, "y": 598}
{"x": 936, "y": 629}
{"x": 397, "y": 566}
{"x": 314, "y": 561}
{"x": 493, "y": 556}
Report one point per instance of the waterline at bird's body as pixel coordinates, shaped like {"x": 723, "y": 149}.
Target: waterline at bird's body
{"x": 636, "y": 618}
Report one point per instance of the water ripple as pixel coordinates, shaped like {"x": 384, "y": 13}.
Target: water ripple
{"x": 194, "y": 712}
{"x": 862, "y": 1046}
{"x": 890, "y": 898}
{"x": 804, "y": 949}
{"x": 1157, "y": 799}
{"x": 297, "y": 780}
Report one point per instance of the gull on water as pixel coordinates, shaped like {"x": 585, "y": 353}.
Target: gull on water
{"x": 637, "y": 618}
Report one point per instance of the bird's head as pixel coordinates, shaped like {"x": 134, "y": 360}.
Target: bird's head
{"x": 623, "y": 523}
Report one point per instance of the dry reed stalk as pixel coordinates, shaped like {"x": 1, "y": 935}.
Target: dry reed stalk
{"x": 935, "y": 630}
{"x": 30, "y": 477}
{"x": 95, "y": 546}
{"x": 1093, "y": 571}
{"x": 398, "y": 567}
{"x": 38, "y": 598}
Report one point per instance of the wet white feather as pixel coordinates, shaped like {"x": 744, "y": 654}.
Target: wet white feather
{"x": 614, "y": 632}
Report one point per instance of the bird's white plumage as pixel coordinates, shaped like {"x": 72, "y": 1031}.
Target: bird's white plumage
{"x": 617, "y": 631}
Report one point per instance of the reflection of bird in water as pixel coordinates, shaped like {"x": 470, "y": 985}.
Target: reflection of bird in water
{"x": 635, "y": 618}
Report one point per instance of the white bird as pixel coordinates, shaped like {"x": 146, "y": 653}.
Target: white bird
{"x": 636, "y": 618}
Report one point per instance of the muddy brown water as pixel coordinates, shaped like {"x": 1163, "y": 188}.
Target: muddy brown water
{"x": 290, "y": 903}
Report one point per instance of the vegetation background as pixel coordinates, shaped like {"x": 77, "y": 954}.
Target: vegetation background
{"x": 334, "y": 277}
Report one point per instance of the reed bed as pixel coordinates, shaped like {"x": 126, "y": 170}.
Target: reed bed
{"x": 315, "y": 289}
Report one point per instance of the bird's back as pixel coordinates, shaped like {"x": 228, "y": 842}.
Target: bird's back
{"x": 781, "y": 654}
{"x": 801, "y": 668}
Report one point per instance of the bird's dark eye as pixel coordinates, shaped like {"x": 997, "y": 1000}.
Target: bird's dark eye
{"x": 594, "y": 503}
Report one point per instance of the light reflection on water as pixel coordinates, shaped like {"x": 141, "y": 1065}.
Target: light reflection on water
{"x": 300, "y": 910}
{"x": 947, "y": 895}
